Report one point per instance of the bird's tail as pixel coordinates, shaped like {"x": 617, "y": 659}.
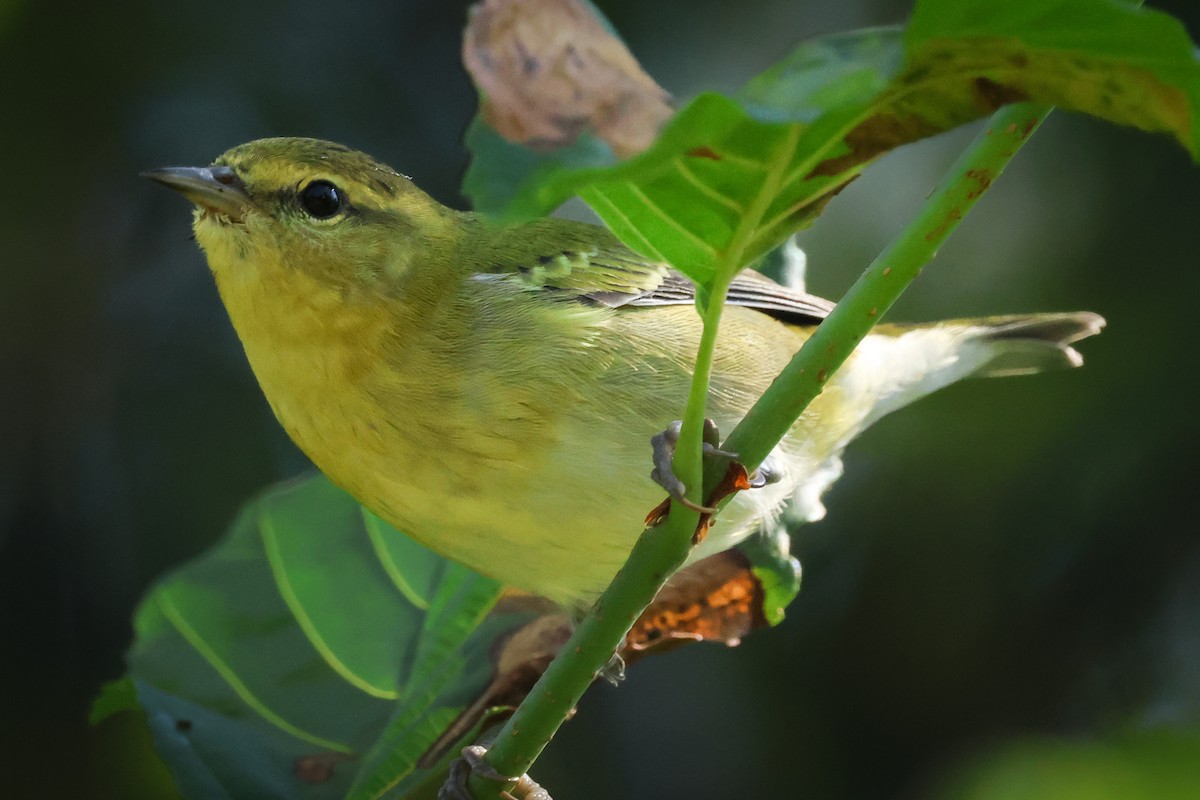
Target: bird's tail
{"x": 910, "y": 361}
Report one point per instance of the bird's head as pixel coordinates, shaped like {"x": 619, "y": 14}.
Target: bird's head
{"x": 309, "y": 205}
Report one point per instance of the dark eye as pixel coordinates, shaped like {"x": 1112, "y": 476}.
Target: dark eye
{"x": 321, "y": 199}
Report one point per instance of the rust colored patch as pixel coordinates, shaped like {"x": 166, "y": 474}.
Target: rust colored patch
{"x": 982, "y": 179}
{"x": 548, "y": 70}
{"x": 993, "y": 95}
{"x": 319, "y": 767}
{"x": 874, "y": 136}
{"x": 704, "y": 151}
{"x": 717, "y": 599}
{"x": 952, "y": 217}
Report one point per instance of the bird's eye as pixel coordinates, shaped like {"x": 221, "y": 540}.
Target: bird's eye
{"x": 321, "y": 199}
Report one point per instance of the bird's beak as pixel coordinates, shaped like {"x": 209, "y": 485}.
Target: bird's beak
{"x": 217, "y": 189}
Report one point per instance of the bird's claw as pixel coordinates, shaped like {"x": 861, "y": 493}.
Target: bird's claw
{"x": 765, "y": 475}
{"x": 734, "y": 479}
{"x": 663, "y": 474}
{"x": 473, "y": 761}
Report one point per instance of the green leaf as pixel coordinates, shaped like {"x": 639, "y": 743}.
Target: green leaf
{"x": 777, "y": 571}
{"x": 282, "y": 661}
{"x": 1129, "y": 65}
{"x": 115, "y": 697}
{"x": 730, "y": 178}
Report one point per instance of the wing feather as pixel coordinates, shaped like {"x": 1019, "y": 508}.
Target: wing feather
{"x": 589, "y": 264}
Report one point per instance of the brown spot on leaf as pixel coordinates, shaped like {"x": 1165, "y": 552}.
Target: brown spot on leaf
{"x": 873, "y": 136}
{"x": 549, "y": 70}
{"x": 704, "y": 151}
{"x": 994, "y": 95}
{"x": 319, "y": 767}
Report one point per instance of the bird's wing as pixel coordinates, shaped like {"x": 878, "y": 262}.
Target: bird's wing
{"x": 587, "y": 263}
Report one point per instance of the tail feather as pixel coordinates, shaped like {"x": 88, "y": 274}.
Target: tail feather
{"x": 898, "y": 364}
{"x": 909, "y": 361}
{"x": 1021, "y": 345}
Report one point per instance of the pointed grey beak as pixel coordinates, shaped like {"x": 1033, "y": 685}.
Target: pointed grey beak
{"x": 218, "y": 189}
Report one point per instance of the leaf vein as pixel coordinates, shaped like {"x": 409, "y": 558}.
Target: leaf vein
{"x": 705, "y": 189}
{"x": 193, "y": 637}
{"x": 671, "y": 222}
{"x": 288, "y": 592}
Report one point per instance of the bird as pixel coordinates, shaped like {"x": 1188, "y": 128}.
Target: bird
{"x": 490, "y": 390}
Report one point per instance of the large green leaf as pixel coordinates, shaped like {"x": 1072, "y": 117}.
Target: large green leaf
{"x": 277, "y": 664}
{"x": 317, "y": 652}
{"x": 729, "y": 178}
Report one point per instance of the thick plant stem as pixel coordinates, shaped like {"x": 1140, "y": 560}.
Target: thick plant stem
{"x": 882, "y": 283}
{"x": 661, "y": 550}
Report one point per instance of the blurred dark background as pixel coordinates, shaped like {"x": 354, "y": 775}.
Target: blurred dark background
{"x": 1008, "y": 583}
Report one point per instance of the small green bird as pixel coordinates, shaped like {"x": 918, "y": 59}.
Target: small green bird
{"x": 492, "y": 391}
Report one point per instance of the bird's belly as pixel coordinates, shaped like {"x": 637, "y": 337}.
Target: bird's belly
{"x": 561, "y": 525}
{"x": 548, "y": 496}
{"x": 555, "y": 514}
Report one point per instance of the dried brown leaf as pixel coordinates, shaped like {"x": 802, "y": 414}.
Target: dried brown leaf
{"x": 549, "y": 70}
{"x": 717, "y": 600}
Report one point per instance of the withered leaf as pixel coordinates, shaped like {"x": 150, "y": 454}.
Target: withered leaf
{"x": 549, "y": 70}
{"x": 718, "y": 599}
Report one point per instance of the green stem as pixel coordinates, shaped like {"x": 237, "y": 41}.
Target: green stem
{"x": 688, "y": 462}
{"x": 882, "y": 283}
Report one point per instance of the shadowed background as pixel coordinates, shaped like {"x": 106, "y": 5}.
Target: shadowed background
{"x": 1010, "y": 571}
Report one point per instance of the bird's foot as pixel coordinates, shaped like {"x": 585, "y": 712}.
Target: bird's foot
{"x": 765, "y": 475}
{"x": 472, "y": 761}
{"x": 735, "y": 478}
{"x": 664, "y": 453}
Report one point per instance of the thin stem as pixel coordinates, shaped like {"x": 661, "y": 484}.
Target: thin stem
{"x": 689, "y": 457}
